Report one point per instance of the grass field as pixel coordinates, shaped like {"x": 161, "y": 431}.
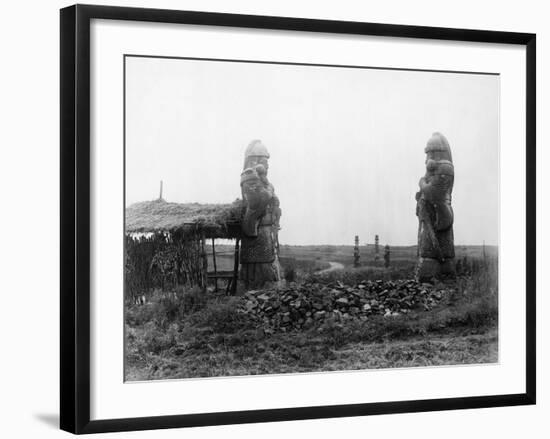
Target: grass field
{"x": 400, "y": 255}
{"x": 182, "y": 334}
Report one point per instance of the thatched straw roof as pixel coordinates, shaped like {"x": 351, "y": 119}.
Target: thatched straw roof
{"x": 214, "y": 220}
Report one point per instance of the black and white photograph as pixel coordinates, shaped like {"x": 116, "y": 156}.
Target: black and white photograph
{"x": 289, "y": 218}
{"x": 275, "y": 219}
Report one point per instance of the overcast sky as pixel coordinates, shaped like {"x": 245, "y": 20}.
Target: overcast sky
{"x": 346, "y": 144}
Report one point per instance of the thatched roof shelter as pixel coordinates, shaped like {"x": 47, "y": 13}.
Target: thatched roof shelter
{"x": 211, "y": 220}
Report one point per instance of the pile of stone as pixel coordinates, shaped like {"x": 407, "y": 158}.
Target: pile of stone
{"x": 301, "y": 306}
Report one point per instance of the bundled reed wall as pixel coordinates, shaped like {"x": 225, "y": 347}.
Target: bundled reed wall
{"x": 162, "y": 261}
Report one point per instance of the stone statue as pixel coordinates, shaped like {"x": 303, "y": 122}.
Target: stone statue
{"x": 387, "y": 256}
{"x": 435, "y": 215}
{"x": 260, "y": 225}
{"x": 356, "y": 255}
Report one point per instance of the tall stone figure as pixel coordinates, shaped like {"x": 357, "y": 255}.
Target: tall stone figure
{"x": 356, "y": 255}
{"x": 435, "y": 214}
{"x": 260, "y": 225}
{"x": 387, "y": 256}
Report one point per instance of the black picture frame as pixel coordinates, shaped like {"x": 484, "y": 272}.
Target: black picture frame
{"x": 75, "y": 217}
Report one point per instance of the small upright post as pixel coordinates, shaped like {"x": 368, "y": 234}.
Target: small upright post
{"x": 235, "y": 268}
{"x": 215, "y": 267}
{"x": 204, "y": 262}
{"x": 356, "y": 255}
{"x": 376, "y": 248}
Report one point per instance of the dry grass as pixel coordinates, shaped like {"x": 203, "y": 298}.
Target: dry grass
{"x": 196, "y": 338}
{"x": 252, "y": 353}
{"x": 415, "y": 352}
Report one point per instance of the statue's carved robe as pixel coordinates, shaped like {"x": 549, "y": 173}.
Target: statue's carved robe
{"x": 259, "y": 245}
{"x": 436, "y": 214}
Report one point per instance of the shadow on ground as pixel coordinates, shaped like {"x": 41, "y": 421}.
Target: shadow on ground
{"x": 50, "y": 419}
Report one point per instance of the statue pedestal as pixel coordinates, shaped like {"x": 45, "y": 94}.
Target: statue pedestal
{"x": 429, "y": 268}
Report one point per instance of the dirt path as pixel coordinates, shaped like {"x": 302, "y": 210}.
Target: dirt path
{"x": 333, "y": 266}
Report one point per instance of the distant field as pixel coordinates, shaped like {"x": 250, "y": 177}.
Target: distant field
{"x": 307, "y": 259}
{"x": 344, "y": 253}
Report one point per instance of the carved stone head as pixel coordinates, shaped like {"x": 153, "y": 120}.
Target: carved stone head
{"x": 438, "y": 148}
{"x": 256, "y": 154}
{"x": 439, "y": 160}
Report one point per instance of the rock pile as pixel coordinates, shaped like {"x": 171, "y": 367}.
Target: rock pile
{"x": 301, "y": 306}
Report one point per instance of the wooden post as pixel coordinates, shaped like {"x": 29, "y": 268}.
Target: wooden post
{"x": 235, "y": 268}
{"x": 204, "y": 262}
{"x": 215, "y": 267}
{"x": 160, "y": 196}
{"x": 356, "y": 252}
